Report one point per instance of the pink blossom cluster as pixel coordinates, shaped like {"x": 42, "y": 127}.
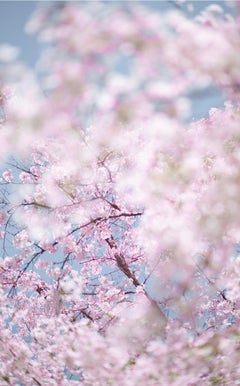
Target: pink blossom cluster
{"x": 119, "y": 218}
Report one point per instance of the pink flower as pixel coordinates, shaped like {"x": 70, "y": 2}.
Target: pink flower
{"x": 25, "y": 177}
{"x": 2, "y": 217}
{"x": 21, "y": 239}
{"x": 7, "y": 175}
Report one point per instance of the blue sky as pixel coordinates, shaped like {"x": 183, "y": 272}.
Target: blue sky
{"x": 13, "y": 17}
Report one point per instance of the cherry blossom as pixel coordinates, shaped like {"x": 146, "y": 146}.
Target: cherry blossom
{"x": 119, "y": 218}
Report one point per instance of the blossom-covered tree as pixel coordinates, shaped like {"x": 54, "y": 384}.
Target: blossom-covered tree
{"x": 119, "y": 213}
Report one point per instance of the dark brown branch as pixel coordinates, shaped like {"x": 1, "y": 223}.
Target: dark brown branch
{"x": 121, "y": 262}
{"x": 20, "y": 274}
{"x": 85, "y": 313}
{"x": 36, "y": 381}
{"x": 123, "y": 266}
